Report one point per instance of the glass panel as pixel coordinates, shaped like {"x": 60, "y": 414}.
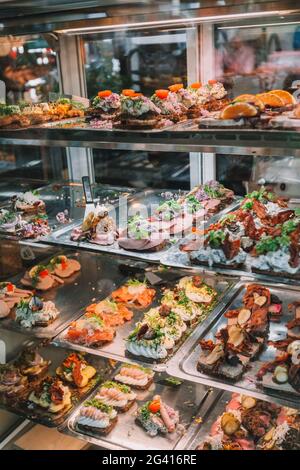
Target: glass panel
{"x": 257, "y": 59}
{"x": 161, "y": 170}
{"x": 254, "y": 60}
{"x": 28, "y": 68}
{"x": 142, "y": 60}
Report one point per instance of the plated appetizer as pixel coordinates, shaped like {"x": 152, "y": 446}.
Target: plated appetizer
{"x": 13, "y": 384}
{"x": 169, "y": 105}
{"x": 36, "y": 312}
{"x": 142, "y": 235}
{"x": 41, "y": 278}
{"x": 138, "y": 111}
{"x": 156, "y": 417}
{"x": 52, "y": 396}
{"x": 10, "y": 296}
{"x": 242, "y": 339}
{"x": 96, "y": 417}
{"x": 245, "y": 423}
{"x": 76, "y": 371}
{"x": 117, "y": 395}
{"x": 32, "y": 365}
{"x": 112, "y": 313}
{"x": 28, "y": 202}
{"x": 64, "y": 267}
{"x": 135, "y": 294}
{"x": 105, "y": 106}
{"x": 136, "y": 376}
{"x": 98, "y": 227}
{"x": 90, "y": 330}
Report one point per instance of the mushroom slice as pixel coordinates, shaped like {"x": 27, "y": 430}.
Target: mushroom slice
{"x": 235, "y": 335}
{"x": 248, "y": 402}
{"x": 230, "y": 424}
{"x": 215, "y": 354}
{"x": 244, "y": 316}
{"x": 260, "y": 300}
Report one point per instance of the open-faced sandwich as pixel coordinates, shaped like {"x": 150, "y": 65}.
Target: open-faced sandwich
{"x": 96, "y": 417}
{"x": 65, "y": 108}
{"x": 143, "y": 235}
{"x": 105, "y": 106}
{"x": 213, "y": 196}
{"x": 112, "y": 313}
{"x": 64, "y": 267}
{"x": 9, "y": 220}
{"x": 13, "y": 384}
{"x": 90, "y": 330}
{"x": 244, "y": 422}
{"x": 243, "y": 339}
{"x": 197, "y": 290}
{"x": 134, "y": 294}
{"x": 76, "y": 371}
{"x": 117, "y": 395}
{"x": 11, "y": 117}
{"x": 138, "y": 111}
{"x": 156, "y": 417}
{"x": 32, "y": 365}
{"x": 41, "y": 278}
{"x": 187, "y": 99}
{"x": 36, "y": 312}
{"x": 169, "y": 105}
{"x": 10, "y": 296}
{"x": 149, "y": 342}
{"x": 177, "y": 301}
{"x": 51, "y": 395}
{"x": 136, "y": 376}
{"x": 28, "y": 202}
{"x": 37, "y": 113}
{"x": 98, "y": 227}
{"x": 218, "y": 249}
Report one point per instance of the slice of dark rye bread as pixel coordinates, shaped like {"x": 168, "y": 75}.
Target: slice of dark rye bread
{"x": 215, "y": 265}
{"x": 137, "y": 387}
{"x": 276, "y": 274}
{"x": 148, "y": 360}
{"x": 98, "y": 431}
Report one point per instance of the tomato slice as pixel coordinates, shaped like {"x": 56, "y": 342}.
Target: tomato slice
{"x": 64, "y": 265}
{"x": 128, "y": 92}
{"x": 104, "y": 93}
{"x": 10, "y": 287}
{"x": 162, "y": 94}
{"x": 154, "y": 406}
{"x": 44, "y": 273}
{"x": 196, "y": 85}
{"x": 176, "y": 87}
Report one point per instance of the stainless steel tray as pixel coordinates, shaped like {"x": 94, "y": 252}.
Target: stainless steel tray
{"x": 97, "y": 278}
{"x": 184, "y": 363}
{"x": 178, "y": 259}
{"x": 116, "y": 349}
{"x": 59, "y": 197}
{"x": 143, "y": 202}
{"x": 37, "y": 414}
{"x": 187, "y": 398}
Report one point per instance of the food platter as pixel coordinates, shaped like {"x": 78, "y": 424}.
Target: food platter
{"x": 184, "y": 363}
{"x": 69, "y": 197}
{"x": 187, "y": 398}
{"x": 116, "y": 349}
{"x": 27, "y": 410}
{"x": 143, "y": 203}
{"x": 97, "y": 278}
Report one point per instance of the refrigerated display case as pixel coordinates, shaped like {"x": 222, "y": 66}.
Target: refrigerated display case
{"x": 178, "y": 300}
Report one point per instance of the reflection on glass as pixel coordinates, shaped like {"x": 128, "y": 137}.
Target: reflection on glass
{"x": 253, "y": 60}
{"x": 144, "y": 61}
{"x": 28, "y": 68}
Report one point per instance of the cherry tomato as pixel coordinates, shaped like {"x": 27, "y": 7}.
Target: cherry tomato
{"x": 162, "y": 94}
{"x": 104, "y": 93}
{"x": 154, "y": 406}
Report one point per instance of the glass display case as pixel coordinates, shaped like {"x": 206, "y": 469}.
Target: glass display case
{"x": 173, "y": 267}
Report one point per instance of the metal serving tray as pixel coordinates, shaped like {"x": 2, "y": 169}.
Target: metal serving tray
{"x": 178, "y": 259}
{"x": 184, "y": 363}
{"x": 59, "y": 197}
{"x": 116, "y": 350}
{"x": 57, "y": 356}
{"x": 187, "y": 398}
{"x": 96, "y": 279}
{"x": 139, "y": 202}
